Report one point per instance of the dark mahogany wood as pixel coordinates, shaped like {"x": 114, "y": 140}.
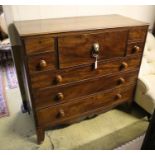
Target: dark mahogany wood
{"x": 77, "y": 49}
{"x": 35, "y": 62}
{"x": 74, "y": 24}
{"x": 49, "y": 96}
{"x": 40, "y": 134}
{"x": 49, "y": 78}
{"x": 135, "y": 48}
{"x": 78, "y": 107}
{"x": 58, "y": 66}
{"x": 38, "y": 44}
{"x": 137, "y": 33}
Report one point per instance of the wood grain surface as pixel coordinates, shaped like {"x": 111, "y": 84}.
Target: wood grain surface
{"x": 72, "y": 24}
{"x": 63, "y": 84}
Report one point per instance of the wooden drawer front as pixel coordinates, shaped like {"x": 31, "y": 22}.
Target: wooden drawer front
{"x": 65, "y": 93}
{"x": 102, "y": 100}
{"x": 42, "y": 62}
{"x": 77, "y": 49}
{"x": 138, "y": 33}
{"x": 39, "y": 44}
{"x": 53, "y": 78}
{"x": 135, "y": 48}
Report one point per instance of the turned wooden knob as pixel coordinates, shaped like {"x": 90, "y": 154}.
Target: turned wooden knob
{"x": 61, "y": 113}
{"x": 58, "y": 78}
{"x": 121, "y": 80}
{"x": 136, "y": 49}
{"x": 118, "y": 96}
{"x": 42, "y": 64}
{"x": 124, "y": 65}
{"x": 60, "y": 96}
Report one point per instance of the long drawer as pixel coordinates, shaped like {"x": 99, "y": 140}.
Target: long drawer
{"x": 93, "y": 103}
{"x": 60, "y": 77}
{"x": 60, "y": 94}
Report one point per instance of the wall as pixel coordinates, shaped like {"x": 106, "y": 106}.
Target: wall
{"x": 20, "y": 12}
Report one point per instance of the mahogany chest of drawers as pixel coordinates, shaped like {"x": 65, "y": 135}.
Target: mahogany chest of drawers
{"x": 73, "y": 68}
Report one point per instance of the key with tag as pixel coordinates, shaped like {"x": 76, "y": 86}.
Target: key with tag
{"x": 95, "y": 54}
{"x": 96, "y": 61}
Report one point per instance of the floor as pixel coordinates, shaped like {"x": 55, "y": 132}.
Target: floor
{"x": 133, "y": 145}
{"x": 17, "y": 130}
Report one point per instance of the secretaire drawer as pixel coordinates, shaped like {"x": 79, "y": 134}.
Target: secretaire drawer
{"x": 60, "y": 94}
{"x": 39, "y": 44}
{"x": 69, "y": 75}
{"x": 77, "y": 49}
{"x": 93, "y": 103}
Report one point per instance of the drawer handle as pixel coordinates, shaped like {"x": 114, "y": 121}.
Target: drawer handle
{"x": 121, "y": 80}
{"x": 42, "y": 64}
{"x": 96, "y": 48}
{"x": 124, "y": 65}
{"x": 60, "y": 96}
{"x": 118, "y": 96}
{"x": 58, "y": 78}
{"x": 61, "y": 113}
{"x": 136, "y": 49}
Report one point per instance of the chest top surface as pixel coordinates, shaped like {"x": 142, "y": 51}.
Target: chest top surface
{"x": 72, "y": 24}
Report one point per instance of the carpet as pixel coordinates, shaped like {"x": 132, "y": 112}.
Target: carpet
{"x": 133, "y": 144}
{"x": 11, "y": 74}
{"x": 3, "y": 103}
{"x": 105, "y": 132}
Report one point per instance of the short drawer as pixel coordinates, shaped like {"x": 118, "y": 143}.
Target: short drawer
{"x": 39, "y": 44}
{"x": 135, "y": 48}
{"x": 138, "y": 33}
{"x": 77, "y": 49}
{"x": 42, "y": 62}
{"x": 92, "y": 104}
{"x": 61, "y": 94}
{"x": 65, "y": 76}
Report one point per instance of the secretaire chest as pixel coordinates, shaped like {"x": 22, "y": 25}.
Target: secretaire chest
{"x": 74, "y": 68}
